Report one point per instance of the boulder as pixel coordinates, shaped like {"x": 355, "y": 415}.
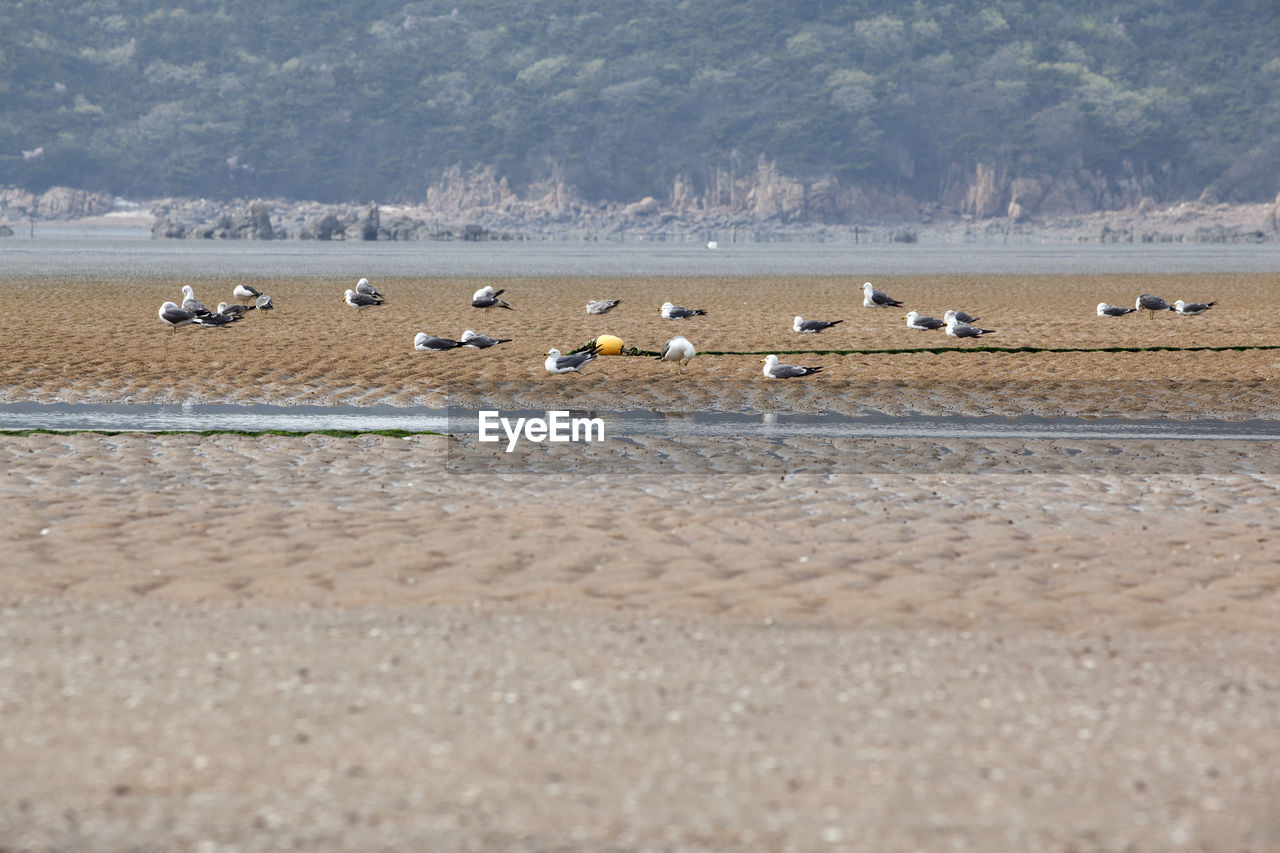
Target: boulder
{"x": 167, "y": 229}
{"x": 66, "y": 203}
{"x": 328, "y": 227}
{"x": 260, "y": 221}
{"x": 646, "y": 206}
{"x": 369, "y": 225}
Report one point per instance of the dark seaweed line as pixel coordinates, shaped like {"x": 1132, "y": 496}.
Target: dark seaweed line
{"x": 940, "y": 350}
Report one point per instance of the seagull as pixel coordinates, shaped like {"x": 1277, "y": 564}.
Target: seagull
{"x": 959, "y": 315}
{"x": 190, "y": 303}
{"x": 956, "y": 329}
{"x": 915, "y": 321}
{"x": 235, "y": 310}
{"x": 678, "y": 349}
{"x": 872, "y": 298}
{"x": 424, "y": 342}
{"x": 360, "y": 301}
{"x": 675, "y": 312}
{"x": 807, "y": 326}
{"x": 476, "y": 341}
{"x": 1192, "y": 307}
{"x": 602, "y": 306}
{"x": 212, "y": 320}
{"x": 363, "y": 286}
{"x": 1105, "y": 310}
{"x": 487, "y": 297}
{"x": 175, "y": 316}
{"x": 1152, "y": 304}
{"x": 265, "y": 304}
{"x": 557, "y": 363}
{"x": 773, "y": 370}
{"x": 245, "y": 291}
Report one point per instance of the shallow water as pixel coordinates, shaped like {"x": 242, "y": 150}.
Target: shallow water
{"x": 76, "y": 254}
{"x": 457, "y": 421}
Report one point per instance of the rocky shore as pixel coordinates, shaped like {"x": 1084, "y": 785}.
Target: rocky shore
{"x": 491, "y": 211}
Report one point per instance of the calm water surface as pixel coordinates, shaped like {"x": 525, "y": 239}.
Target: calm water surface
{"x": 457, "y": 421}
{"x": 72, "y": 252}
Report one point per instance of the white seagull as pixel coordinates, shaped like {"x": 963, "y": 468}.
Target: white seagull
{"x": 1192, "y": 307}
{"x": 235, "y": 310}
{"x": 360, "y": 301}
{"x": 557, "y": 363}
{"x": 214, "y": 320}
{"x": 487, "y": 297}
{"x": 245, "y": 291}
{"x": 956, "y": 329}
{"x": 602, "y": 306}
{"x": 1147, "y": 302}
{"x": 190, "y": 303}
{"x": 872, "y": 298}
{"x": 773, "y": 370}
{"x": 915, "y": 321}
{"x": 479, "y": 341}
{"x": 675, "y": 312}
{"x": 678, "y": 349}
{"x": 363, "y": 286}
{"x": 430, "y": 343}
{"x": 175, "y": 316}
{"x": 1105, "y": 310}
{"x": 805, "y": 327}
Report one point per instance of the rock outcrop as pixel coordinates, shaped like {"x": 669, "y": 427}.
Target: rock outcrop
{"x": 68, "y": 203}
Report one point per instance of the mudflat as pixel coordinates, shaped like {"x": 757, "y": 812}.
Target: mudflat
{"x": 256, "y": 642}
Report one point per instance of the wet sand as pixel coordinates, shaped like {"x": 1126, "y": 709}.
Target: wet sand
{"x": 314, "y": 349}
{"x": 252, "y": 643}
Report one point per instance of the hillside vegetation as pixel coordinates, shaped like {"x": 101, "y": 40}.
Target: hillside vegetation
{"x": 360, "y": 100}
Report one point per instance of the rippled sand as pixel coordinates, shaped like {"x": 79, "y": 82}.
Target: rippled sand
{"x": 699, "y": 644}
{"x": 101, "y": 341}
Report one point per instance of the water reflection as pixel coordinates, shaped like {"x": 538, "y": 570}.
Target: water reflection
{"x": 190, "y": 416}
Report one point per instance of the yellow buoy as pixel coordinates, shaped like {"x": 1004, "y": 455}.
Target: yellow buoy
{"x": 609, "y": 345}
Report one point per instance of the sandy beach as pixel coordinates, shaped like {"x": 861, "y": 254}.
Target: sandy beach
{"x": 315, "y": 349}
{"x": 255, "y": 643}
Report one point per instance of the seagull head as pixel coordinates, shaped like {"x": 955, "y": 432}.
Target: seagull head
{"x": 796, "y": 324}
{"x": 468, "y": 335}
{"x": 187, "y": 291}
{"x": 911, "y": 316}
{"x": 362, "y": 281}
{"x": 867, "y": 287}
{"x": 667, "y": 306}
{"x": 950, "y": 316}
{"x": 553, "y": 353}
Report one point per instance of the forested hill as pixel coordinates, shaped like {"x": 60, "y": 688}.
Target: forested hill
{"x": 364, "y": 99}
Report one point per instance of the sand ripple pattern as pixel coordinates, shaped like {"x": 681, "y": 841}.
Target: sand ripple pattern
{"x": 380, "y": 520}
{"x": 315, "y": 350}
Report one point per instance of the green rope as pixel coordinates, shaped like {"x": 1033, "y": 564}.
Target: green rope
{"x": 940, "y": 350}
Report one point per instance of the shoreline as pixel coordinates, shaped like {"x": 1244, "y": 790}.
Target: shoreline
{"x": 397, "y": 642}
{"x": 1180, "y": 222}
